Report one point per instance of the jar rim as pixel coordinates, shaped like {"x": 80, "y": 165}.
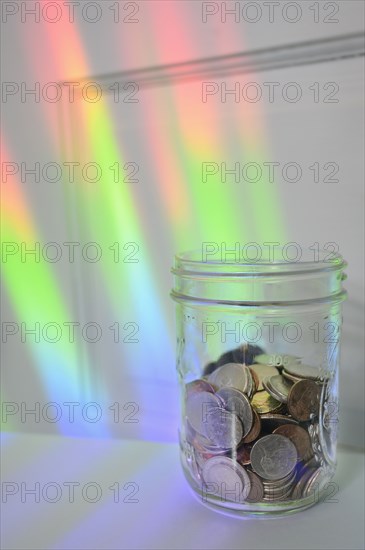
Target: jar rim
{"x": 195, "y": 262}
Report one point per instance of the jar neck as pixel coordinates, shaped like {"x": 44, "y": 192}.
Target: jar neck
{"x": 269, "y": 281}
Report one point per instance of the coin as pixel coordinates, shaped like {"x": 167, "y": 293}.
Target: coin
{"x": 230, "y": 422}
{"x": 277, "y": 387}
{"x": 316, "y": 482}
{"x": 255, "y": 379}
{"x": 300, "y": 437}
{"x": 270, "y": 421}
{"x": 290, "y": 377}
{"x": 279, "y": 483}
{"x": 273, "y": 456}
{"x": 281, "y": 489}
{"x": 250, "y": 385}
{"x": 256, "y": 493}
{"x": 255, "y": 430}
{"x": 302, "y": 481}
{"x": 237, "y": 402}
{"x": 197, "y": 386}
{"x": 223, "y": 428}
{"x": 231, "y": 375}
{"x": 303, "y": 400}
{"x": 263, "y": 371}
{"x": 206, "y": 447}
{"x": 305, "y": 371}
{"x": 226, "y": 478}
{"x": 264, "y": 403}
{"x": 197, "y": 406}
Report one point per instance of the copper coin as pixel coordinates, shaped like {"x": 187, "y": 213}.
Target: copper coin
{"x": 197, "y": 386}
{"x": 300, "y": 437}
{"x": 270, "y": 422}
{"x": 256, "y": 493}
{"x": 263, "y": 371}
{"x": 255, "y": 430}
{"x": 316, "y": 482}
{"x": 264, "y": 403}
{"x": 303, "y": 400}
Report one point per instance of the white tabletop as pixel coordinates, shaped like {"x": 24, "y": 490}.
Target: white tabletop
{"x": 154, "y": 508}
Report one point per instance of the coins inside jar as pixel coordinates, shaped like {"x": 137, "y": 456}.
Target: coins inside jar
{"x": 255, "y": 432}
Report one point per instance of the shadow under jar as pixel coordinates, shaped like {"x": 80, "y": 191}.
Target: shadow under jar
{"x": 257, "y": 361}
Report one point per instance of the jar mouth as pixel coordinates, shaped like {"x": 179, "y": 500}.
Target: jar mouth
{"x": 277, "y": 261}
{"x": 314, "y": 277}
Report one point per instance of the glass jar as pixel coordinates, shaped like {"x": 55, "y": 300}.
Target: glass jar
{"x": 257, "y": 361}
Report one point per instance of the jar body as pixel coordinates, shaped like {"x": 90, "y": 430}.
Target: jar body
{"x": 259, "y": 391}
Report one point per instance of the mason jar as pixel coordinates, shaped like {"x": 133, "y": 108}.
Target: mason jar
{"x": 257, "y": 361}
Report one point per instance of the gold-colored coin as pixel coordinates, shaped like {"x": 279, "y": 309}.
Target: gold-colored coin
{"x": 264, "y": 403}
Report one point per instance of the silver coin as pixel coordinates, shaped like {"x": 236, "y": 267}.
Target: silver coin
{"x": 273, "y": 456}
{"x": 224, "y": 428}
{"x": 271, "y": 497}
{"x": 226, "y": 478}
{"x": 290, "y": 377}
{"x": 305, "y": 371}
{"x": 280, "y": 482}
{"x": 235, "y": 401}
{"x": 197, "y": 408}
{"x": 278, "y": 387}
{"x": 249, "y": 389}
{"x": 281, "y": 489}
{"x": 256, "y": 493}
{"x": 231, "y": 375}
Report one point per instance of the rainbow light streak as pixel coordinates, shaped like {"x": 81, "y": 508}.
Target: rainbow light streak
{"x": 35, "y": 297}
{"x": 110, "y": 215}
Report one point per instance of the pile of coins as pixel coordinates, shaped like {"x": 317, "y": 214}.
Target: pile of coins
{"x": 251, "y": 428}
